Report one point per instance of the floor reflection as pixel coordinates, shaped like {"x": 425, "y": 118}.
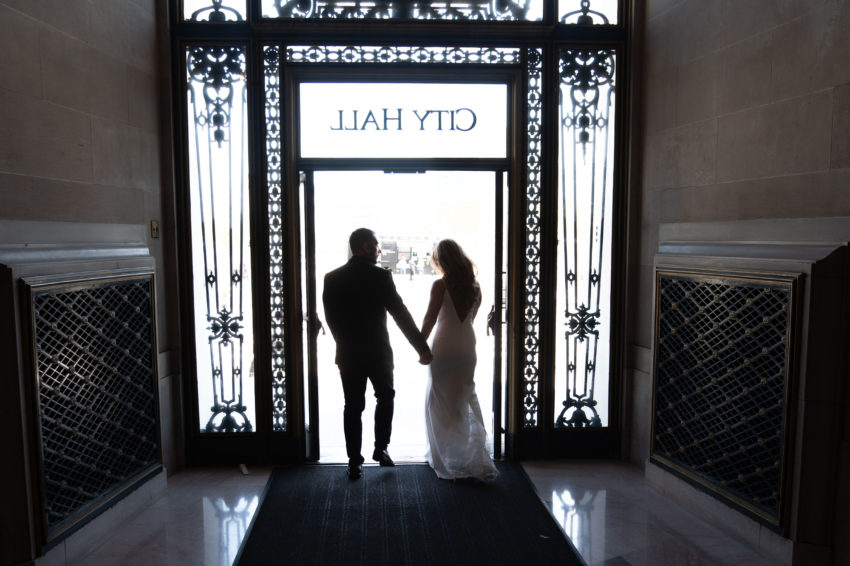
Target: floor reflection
{"x": 575, "y": 515}
{"x": 609, "y": 512}
{"x": 232, "y": 517}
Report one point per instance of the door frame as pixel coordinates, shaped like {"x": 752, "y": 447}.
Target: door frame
{"x": 532, "y": 179}
{"x": 511, "y": 164}
{"x": 312, "y": 324}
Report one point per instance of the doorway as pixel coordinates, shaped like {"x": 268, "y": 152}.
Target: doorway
{"x": 410, "y": 213}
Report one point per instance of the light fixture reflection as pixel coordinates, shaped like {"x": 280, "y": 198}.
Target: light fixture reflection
{"x": 232, "y": 516}
{"x": 574, "y": 513}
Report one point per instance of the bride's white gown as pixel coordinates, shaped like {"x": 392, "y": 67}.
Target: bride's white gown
{"x": 457, "y": 439}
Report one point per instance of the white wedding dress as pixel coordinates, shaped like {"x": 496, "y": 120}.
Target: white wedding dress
{"x": 457, "y": 439}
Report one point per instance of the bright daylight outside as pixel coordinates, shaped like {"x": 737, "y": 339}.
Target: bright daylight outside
{"x": 410, "y": 213}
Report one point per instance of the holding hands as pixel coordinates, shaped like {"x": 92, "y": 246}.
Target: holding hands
{"x": 426, "y": 357}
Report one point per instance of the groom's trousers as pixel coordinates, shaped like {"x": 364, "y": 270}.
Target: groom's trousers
{"x": 354, "y": 388}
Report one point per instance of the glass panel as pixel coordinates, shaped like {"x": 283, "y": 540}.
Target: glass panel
{"x": 485, "y": 10}
{"x": 214, "y": 10}
{"x": 588, "y": 12}
{"x": 218, "y": 178}
{"x": 403, "y": 120}
{"x": 274, "y": 176}
{"x": 531, "y": 311}
{"x": 584, "y": 228}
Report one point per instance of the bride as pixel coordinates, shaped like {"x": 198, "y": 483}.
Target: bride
{"x": 454, "y": 424}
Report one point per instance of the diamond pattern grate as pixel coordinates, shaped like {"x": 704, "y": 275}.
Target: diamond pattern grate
{"x": 94, "y": 356}
{"x": 721, "y": 385}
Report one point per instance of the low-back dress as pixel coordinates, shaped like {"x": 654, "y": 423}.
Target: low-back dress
{"x": 457, "y": 438}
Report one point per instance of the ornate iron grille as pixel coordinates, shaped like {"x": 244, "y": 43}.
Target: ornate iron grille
{"x": 401, "y": 54}
{"x": 215, "y": 11}
{"x": 722, "y": 363}
{"x": 97, "y": 414}
{"x": 218, "y": 147}
{"x": 531, "y": 335}
{"x": 484, "y": 10}
{"x": 380, "y": 55}
{"x": 581, "y": 13}
{"x": 585, "y": 100}
{"x": 274, "y": 175}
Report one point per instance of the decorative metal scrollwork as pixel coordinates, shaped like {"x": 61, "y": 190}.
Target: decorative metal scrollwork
{"x": 217, "y": 98}
{"x": 401, "y": 54}
{"x": 217, "y": 12}
{"x": 531, "y": 338}
{"x": 216, "y": 69}
{"x": 722, "y": 364}
{"x": 483, "y": 10}
{"x": 586, "y": 96}
{"x": 343, "y": 9}
{"x": 586, "y": 71}
{"x": 584, "y": 16}
{"x": 274, "y": 181}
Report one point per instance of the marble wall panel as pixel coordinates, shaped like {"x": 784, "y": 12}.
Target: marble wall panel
{"x": 143, "y": 89}
{"x": 34, "y": 198}
{"x": 641, "y": 417}
{"x": 144, "y": 149}
{"x": 681, "y": 156}
{"x": 149, "y": 6}
{"x": 659, "y": 6}
{"x": 812, "y": 52}
{"x": 791, "y": 136}
{"x": 127, "y": 30}
{"x": 43, "y": 139}
{"x": 701, "y": 28}
{"x": 19, "y": 66}
{"x": 745, "y": 74}
{"x": 659, "y": 102}
{"x": 696, "y": 95}
{"x": 81, "y": 77}
{"x": 840, "y": 151}
{"x": 807, "y": 195}
{"x": 72, "y": 17}
{"x": 111, "y": 149}
{"x": 641, "y": 333}
{"x": 169, "y": 407}
{"x": 661, "y": 40}
{"x": 742, "y": 20}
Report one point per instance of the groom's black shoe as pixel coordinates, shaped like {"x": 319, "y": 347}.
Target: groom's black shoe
{"x": 355, "y": 470}
{"x": 382, "y": 457}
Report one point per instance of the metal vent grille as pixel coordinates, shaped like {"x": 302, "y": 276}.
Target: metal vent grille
{"x": 720, "y": 401}
{"x": 94, "y": 357}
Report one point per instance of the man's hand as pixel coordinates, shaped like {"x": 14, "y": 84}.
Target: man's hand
{"x": 425, "y": 358}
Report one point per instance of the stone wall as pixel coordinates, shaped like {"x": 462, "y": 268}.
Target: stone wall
{"x": 86, "y": 163}
{"x": 742, "y": 131}
{"x": 85, "y": 154}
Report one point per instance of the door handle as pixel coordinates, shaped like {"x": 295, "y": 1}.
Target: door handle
{"x": 491, "y": 321}
{"x": 314, "y": 327}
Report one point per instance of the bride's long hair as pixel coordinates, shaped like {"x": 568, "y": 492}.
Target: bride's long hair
{"x": 457, "y": 269}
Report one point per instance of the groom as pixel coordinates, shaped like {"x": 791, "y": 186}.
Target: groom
{"x": 357, "y": 298}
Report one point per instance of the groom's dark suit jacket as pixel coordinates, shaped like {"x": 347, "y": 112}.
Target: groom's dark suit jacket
{"x": 357, "y": 298}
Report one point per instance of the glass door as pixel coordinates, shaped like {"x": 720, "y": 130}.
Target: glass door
{"x": 410, "y": 213}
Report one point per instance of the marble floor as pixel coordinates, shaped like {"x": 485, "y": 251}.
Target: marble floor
{"x": 612, "y": 516}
